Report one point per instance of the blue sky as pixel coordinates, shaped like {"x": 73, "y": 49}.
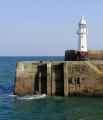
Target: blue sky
{"x": 47, "y": 27}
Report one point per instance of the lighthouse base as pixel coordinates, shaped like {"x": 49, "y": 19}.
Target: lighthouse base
{"x": 83, "y": 56}
{"x": 73, "y": 55}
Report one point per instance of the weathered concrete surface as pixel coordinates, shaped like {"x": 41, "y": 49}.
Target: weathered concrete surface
{"x": 26, "y": 78}
{"x": 84, "y": 78}
{"x": 95, "y": 54}
{"x": 59, "y": 78}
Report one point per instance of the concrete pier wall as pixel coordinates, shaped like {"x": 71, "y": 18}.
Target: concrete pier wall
{"x": 64, "y": 78}
{"x": 26, "y": 78}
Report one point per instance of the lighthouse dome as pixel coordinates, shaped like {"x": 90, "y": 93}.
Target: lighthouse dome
{"x": 82, "y": 20}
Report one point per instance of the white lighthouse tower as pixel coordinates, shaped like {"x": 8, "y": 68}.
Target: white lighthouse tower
{"x": 82, "y": 33}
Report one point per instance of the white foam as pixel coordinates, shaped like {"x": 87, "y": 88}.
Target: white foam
{"x": 31, "y": 97}
{"x": 11, "y": 95}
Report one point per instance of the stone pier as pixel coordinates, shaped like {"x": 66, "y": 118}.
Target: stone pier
{"x": 64, "y": 78}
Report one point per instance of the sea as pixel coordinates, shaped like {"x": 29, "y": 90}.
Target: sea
{"x": 48, "y": 108}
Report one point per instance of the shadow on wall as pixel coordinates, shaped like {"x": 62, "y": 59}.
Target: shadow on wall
{"x": 40, "y": 84}
{"x": 59, "y": 80}
{"x": 56, "y": 80}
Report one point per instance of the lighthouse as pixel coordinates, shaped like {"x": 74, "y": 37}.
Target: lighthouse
{"x": 82, "y": 34}
{"x": 82, "y": 43}
{"x": 81, "y": 54}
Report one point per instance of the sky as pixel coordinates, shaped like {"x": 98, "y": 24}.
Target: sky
{"x": 48, "y": 27}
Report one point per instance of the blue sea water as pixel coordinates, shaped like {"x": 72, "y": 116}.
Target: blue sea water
{"x": 49, "y": 108}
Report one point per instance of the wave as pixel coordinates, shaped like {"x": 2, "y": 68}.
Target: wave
{"x": 31, "y": 97}
{"x": 11, "y": 95}
{"x": 4, "y": 89}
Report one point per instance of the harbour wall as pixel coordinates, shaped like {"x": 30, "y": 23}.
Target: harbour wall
{"x": 59, "y": 78}
{"x": 74, "y": 55}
